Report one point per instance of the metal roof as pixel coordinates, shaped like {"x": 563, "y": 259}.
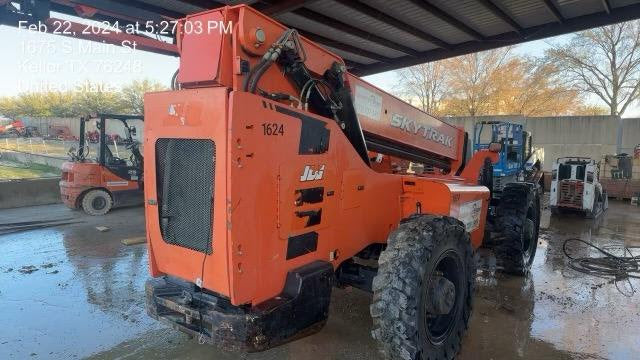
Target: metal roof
{"x": 379, "y": 35}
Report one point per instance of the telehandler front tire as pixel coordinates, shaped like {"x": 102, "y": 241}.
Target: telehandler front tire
{"x": 423, "y": 291}
{"x": 518, "y": 228}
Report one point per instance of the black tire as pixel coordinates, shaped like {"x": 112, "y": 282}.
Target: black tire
{"x": 600, "y": 204}
{"x": 424, "y": 249}
{"x": 518, "y": 227}
{"x": 97, "y": 202}
{"x": 596, "y": 207}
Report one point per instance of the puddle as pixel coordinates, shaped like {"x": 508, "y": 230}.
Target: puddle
{"x": 80, "y": 293}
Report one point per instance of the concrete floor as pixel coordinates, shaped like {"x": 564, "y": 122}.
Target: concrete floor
{"x": 86, "y": 299}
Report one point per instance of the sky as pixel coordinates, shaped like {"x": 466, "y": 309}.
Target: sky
{"x": 36, "y": 61}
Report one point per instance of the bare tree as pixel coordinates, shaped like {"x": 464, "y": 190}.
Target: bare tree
{"x": 425, "y": 84}
{"x": 605, "y": 62}
{"x": 534, "y": 87}
{"x": 472, "y": 80}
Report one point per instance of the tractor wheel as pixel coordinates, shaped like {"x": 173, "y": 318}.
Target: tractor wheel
{"x": 422, "y": 294}
{"x": 97, "y": 202}
{"x": 518, "y": 227}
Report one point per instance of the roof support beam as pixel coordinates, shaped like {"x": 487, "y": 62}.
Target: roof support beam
{"x": 75, "y": 31}
{"x": 495, "y": 10}
{"x": 153, "y": 8}
{"x": 344, "y": 47}
{"x": 69, "y": 10}
{"x": 205, "y": 4}
{"x": 390, "y": 20}
{"x": 554, "y": 10}
{"x": 118, "y": 10}
{"x": 338, "y": 25}
{"x": 282, "y": 6}
{"x": 618, "y": 14}
{"x": 352, "y": 65}
{"x": 446, "y": 17}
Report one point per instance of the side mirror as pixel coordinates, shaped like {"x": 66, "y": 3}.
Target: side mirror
{"x": 495, "y": 147}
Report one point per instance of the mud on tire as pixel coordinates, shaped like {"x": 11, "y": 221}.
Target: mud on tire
{"x": 423, "y": 250}
{"x": 518, "y": 225}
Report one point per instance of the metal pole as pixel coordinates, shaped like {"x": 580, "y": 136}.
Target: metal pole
{"x": 619, "y": 138}
{"x": 103, "y": 142}
{"x": 82, "y": 147}
{"x": 116, "y": 147}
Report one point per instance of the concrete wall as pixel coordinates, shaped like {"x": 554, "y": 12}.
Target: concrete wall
{"x": 630, "y": 134}
{"x": 29, "y": 192}
{"x": 27, "y": 158}
{"x": 591, "y": 136}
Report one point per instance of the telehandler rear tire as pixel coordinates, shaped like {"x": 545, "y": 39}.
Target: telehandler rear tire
{"x": 423, "y": 291}
{"x": 96, "y": 202}
{"x": 518, "y": 228}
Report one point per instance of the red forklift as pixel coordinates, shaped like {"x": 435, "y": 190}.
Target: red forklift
{"x": 97, "y": 184}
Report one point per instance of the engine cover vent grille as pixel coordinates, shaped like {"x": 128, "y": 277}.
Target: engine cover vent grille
{"x": 185, "y": 177}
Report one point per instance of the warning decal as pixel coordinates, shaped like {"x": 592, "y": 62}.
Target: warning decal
{"x": 117, "y": 183}
{"x": 468, "y": 213}
{"x": 368, "y": 103}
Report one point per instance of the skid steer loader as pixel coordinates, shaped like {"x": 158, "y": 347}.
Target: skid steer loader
{"x": 575, "y": 187}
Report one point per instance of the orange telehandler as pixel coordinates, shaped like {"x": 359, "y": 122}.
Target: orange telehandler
{"x": 272, "y": 174}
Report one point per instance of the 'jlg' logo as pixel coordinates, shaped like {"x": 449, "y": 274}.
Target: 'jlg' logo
{"x": 309, "y": 174}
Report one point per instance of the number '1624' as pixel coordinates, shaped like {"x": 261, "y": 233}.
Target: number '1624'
{"x": 273, "y": 129}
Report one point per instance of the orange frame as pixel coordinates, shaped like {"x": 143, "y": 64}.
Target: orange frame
{"x": 257, "y": 175}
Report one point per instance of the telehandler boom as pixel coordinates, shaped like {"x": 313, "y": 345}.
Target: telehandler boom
{"x": 272, "y": 175}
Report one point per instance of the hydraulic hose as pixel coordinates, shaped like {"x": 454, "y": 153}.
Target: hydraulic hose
{"x": 174, "y": 81}
{"x": 270, "y": 56}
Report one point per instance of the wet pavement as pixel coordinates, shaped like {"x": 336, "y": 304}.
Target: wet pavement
{"x": 75, "y": 292}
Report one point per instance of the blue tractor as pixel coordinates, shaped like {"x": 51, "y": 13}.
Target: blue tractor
{"x": 518, "y": 162}
{"x": 516, "y": 184}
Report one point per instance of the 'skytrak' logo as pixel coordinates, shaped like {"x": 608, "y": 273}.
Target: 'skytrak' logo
{"x": 309, "y": 174}
{"x": 415, "y": 127}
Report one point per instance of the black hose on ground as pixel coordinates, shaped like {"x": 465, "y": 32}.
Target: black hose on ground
{"x": 610, "y": 266}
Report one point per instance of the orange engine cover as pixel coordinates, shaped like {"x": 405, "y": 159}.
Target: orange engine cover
{"x": 286, "y": 188}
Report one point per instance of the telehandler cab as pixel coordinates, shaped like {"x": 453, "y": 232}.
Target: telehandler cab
{"x": 272, "y": 176}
